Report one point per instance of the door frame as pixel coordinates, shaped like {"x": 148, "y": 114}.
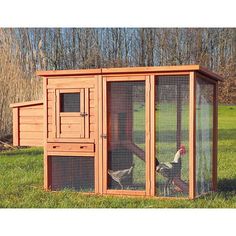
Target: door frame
{"x": 120, "y": 78}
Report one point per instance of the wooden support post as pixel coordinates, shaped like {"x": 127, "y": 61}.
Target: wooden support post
{"x": 152, "y": 137}
{"x": 192, "y": 135}
{"x": 215, "y": 138}
{"x": 147, "y": 131}
{"x": 104, "y": 134}
{"x": 16, "y": 131}
{"x": 100, "y": 132}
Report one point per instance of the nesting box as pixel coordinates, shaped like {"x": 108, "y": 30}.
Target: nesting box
{"x": 149, "y": 131}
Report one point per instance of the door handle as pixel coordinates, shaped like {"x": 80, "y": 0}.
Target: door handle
{"x": 83, "y": 114}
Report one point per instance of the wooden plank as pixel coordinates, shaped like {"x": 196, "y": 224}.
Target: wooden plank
{"x": 70, "y": 147}
{"x": 31, "y": 120}
{"x": 72, "y": 114}
{"x": 24, "y": 104}
{"x": 107, "y": 71}
{"x": 92, "y": 111}
{"x": 215, "y": 138}
{"x": 92, "y": 119}
{"x": 31, "y": 135}
{"x": 15, "y": 126}
{"x": 151, "y": 69}
{"x": 125, "y": 192}
{"x": 70, "y": 83}
{"x": 104, "y": 133}
{"x": 71, "y": 134}
{"x": 71, "y": 128}
{"x": 192, "y": 135}
{"x": 86, "y": 110}
{"x": 199, "y": 75}
{"x": 76, "y": 154}
{"x": 91, "y": 93}
{"x": 149, "y": 74}
{"x": 32, "y": 127}
{"x": 57, "y": 114}
{"x": 45, "y": 111}
{"x": 92, "y": 127}
{"x": 70, "y": 120}
{"x": 152, "y": 137}
{"x": 147, "y": 134}
{"x": 82, "y": 109}
{"x": 49, "y": 127}
{"x": 67, "y": 72}
{"x": 50, "y": 104}
{"x": 32, "y": 112}
{"x": 31, "y": 142}
{"x": 30, "y": 108}
{"x": 91, "y": 103}
{"x": 70, "y": 140}
{"x": 93, "y": 135}
{"x": 50, "y": 96}
{"x": 126, "y": 78}
{"x": 50, "y": 111}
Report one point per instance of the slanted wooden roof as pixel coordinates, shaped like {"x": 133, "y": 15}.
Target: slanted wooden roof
{"x": 25, "y": 104}
{"x": 123, "y": 70}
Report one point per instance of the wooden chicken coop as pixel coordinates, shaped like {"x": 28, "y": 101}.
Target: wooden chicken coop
{"x": 149, "y": 131}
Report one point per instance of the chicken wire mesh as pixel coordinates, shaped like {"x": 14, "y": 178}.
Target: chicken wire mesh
{"x": 74, "y": 173}
{"x": 172, "y": 127}
{"x": 204, "y": 135}
{"x": 126, "y": 135}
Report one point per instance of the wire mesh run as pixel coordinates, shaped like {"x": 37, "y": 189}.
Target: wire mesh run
{"x": 74, "y": 173}
{"x": 172, "y": 128}
{"x": 204, "y": 135}
{"x": 126, "y": 135}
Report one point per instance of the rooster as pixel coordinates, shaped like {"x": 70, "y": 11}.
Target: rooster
{"x": 120, "y": 175}
{"x": 170, "y": 170}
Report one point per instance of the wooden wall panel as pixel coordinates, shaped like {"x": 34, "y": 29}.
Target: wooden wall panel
{"x": 28, "y": 125}
{"x": 64, "y": 83}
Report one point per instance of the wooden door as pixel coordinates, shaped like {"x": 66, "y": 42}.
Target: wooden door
{"x": 126, "y": 135}
{"x": 71, "y": 113}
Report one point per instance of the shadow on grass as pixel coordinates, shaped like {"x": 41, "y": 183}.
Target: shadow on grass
{"x": 22, "y": 152}
{"x": 227, "y": 134}
{"x": 227, "y": 185}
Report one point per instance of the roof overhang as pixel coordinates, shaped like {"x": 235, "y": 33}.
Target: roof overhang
{"x": 131, "y": 70}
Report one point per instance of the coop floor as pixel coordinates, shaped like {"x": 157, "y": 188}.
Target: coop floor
{"x": 21, "y": 180}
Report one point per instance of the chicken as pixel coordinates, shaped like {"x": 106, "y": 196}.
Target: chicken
{"x": 120, "y": 175}
{"x": 170, "y": 170}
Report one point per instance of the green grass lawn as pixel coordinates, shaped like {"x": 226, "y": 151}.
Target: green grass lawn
{"x": 21, "y": 180}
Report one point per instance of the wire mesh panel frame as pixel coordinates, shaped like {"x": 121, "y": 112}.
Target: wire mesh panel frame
{"x": 71, "y": 172}
{"x": 178, "y": 82}
{"x": 214, "y": 121}
{"x": 145, "y": 79}
{"x": 192, "y": 133}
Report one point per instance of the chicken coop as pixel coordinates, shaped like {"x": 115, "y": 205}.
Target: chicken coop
{"x": 147, "y": 131}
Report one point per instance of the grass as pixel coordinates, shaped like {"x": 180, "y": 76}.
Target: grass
{"x": 21, "y": 180}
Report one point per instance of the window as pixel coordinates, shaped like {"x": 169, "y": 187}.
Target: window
{"x": 70, "y": 102}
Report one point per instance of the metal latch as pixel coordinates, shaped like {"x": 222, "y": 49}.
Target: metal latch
{"x": 103, "y": 136}
{"x": 83, "y": 114}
